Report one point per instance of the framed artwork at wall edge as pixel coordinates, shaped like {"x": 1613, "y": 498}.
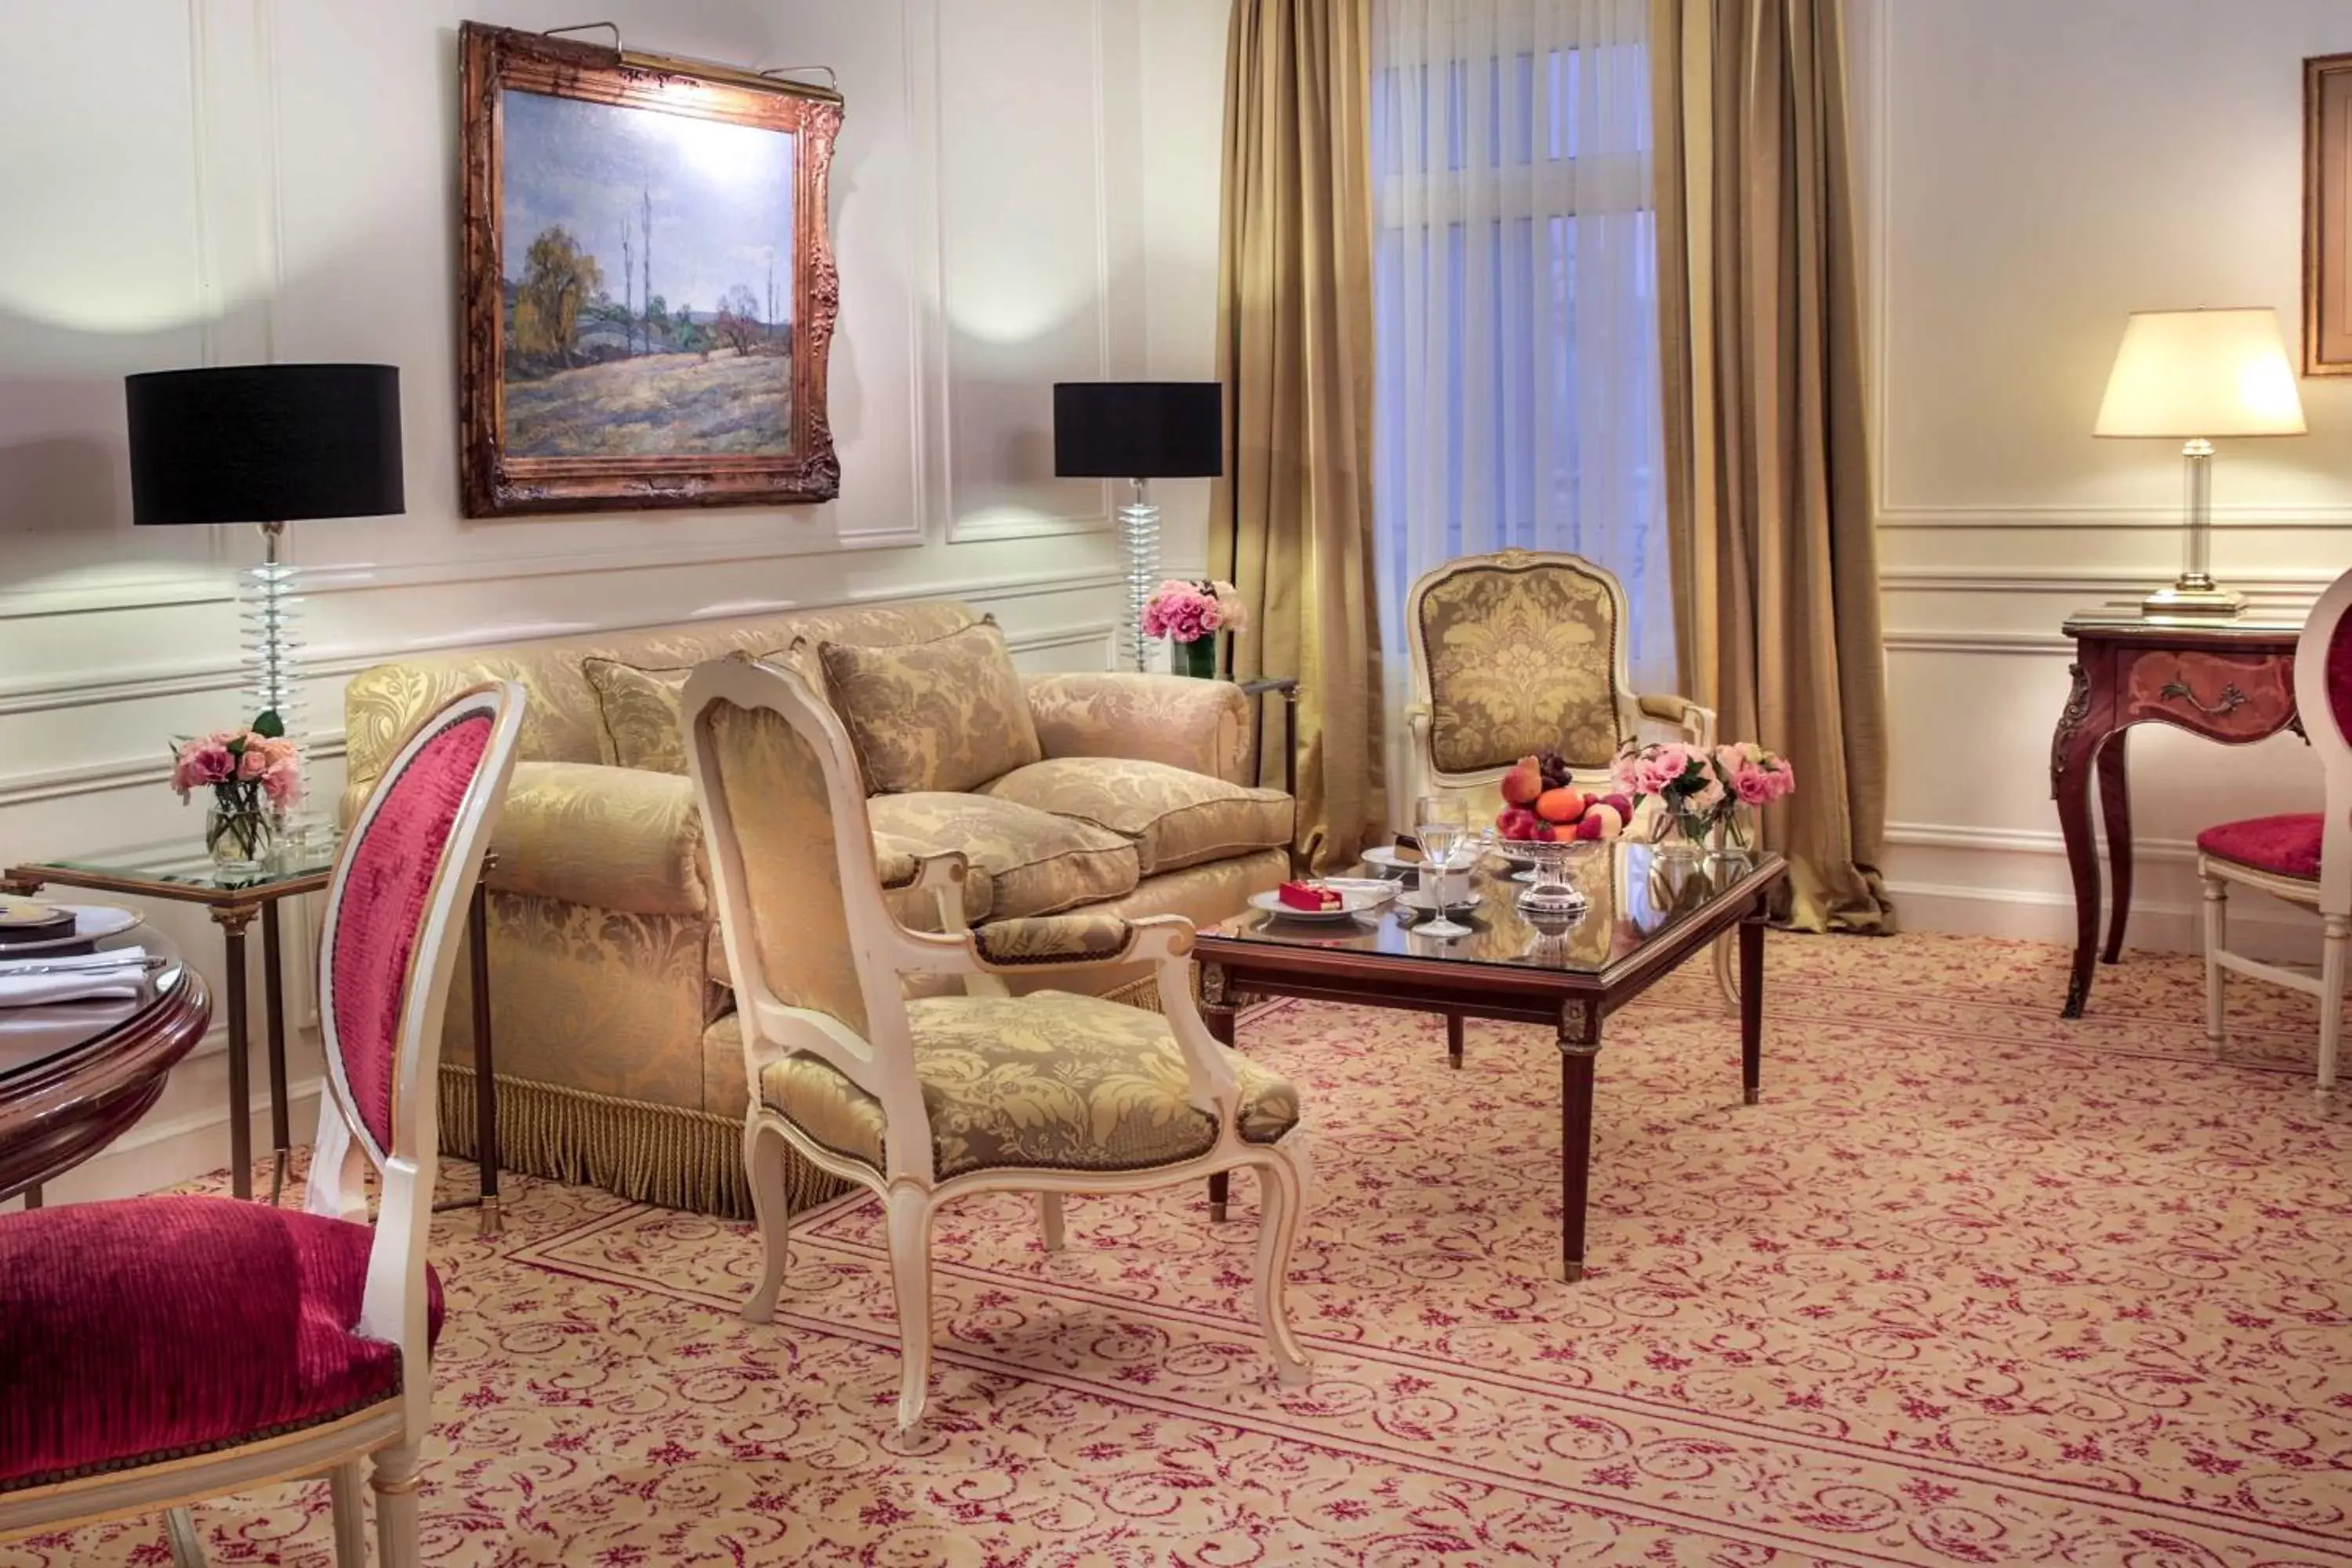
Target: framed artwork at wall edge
{"x": 649, "y": 290}
{"x": 2327, "y": 215}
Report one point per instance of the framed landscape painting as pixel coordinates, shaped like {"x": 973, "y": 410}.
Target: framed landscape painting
{"x": 2327, "y": 215}
{"x": 649, "y": 288}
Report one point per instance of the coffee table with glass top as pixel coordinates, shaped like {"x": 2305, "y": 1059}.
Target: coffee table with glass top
{"x": 1647, "y": 910}
{"x": 179, "y": 871}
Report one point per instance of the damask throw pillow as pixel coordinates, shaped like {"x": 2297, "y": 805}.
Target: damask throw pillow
{"x": 948, "y": 714}
{"x": 640, "y": 714}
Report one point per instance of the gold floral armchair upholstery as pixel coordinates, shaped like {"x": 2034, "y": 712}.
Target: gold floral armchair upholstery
{"x": 927, "y": 1098}
{"x": 617, "y": 1046}
{"x": 1517, "y": 651}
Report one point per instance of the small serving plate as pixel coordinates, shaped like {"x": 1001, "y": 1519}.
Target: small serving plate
{"x": 1361, "y": 896}
{"x": 1419, "y": 900}
{"x": 1388, "y": 859}
{"x": 92, "y": 923}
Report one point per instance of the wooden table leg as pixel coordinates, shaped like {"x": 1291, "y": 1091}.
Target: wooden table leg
{"x": 1454, "y": 1040}
{"x": 1217, "y": 1011}
{"x": 486, "y": 1078}
{"x": 1751, "y": 1005}
{"x": 1579, "y": 1045}
{"x": 273, "y": 1003}
{"x": 2073, "y": 751}
{"x": 2115, "y": 810}
{"x": 233, "y": 920}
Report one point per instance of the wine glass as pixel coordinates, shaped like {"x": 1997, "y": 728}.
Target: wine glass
{"x": 1443, "y": 826}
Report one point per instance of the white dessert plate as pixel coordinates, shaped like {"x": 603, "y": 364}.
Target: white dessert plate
{"x": 1359, "y": 896}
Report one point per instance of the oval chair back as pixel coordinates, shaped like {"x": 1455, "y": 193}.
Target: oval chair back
{"x": 396, "y": 906}
{"x": 2323, "y": 700}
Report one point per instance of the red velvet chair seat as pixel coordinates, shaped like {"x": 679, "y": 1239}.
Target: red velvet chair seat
{"x": 2282, "y": 846}
{"x": 149, "y": 1329}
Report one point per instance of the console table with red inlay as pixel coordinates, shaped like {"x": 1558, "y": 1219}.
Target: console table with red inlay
{"x": 2228, "y": 680}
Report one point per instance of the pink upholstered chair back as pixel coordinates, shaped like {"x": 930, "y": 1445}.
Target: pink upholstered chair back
{"x": 2323, "y": 700}
{"x": 395, "y": 910}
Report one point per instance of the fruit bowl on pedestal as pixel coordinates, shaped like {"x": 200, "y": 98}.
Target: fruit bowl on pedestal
{"x": 1541, "y": 806}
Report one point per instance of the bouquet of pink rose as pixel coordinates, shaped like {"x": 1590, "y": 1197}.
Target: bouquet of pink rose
{"x": 1701, "y": 789}
{"x": 254, "y": 773}
{"x": 1187, "y": 612}
{"x": 1191, "y": 614}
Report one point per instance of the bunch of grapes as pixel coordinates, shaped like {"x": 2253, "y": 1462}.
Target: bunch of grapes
{"x": 1553, "y": 767}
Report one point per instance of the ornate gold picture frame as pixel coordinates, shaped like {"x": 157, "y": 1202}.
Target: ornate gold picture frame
{"x": 2327, "y": 215}
{"x": 649, "y": 289}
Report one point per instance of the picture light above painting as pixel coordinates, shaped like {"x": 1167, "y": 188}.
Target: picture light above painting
{"x": 649, "y": 291}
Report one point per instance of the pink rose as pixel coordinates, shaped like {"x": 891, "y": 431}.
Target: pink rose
{"x": 1706, "y": 797}
{"x": 1753, "y": 784}
{"x": 283, "y": 784}
{"x": 251, "y": 764}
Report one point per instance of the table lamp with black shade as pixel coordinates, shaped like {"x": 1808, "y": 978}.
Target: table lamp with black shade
{"x": 269, "y": 445}
{"x": 1139, "y": 431}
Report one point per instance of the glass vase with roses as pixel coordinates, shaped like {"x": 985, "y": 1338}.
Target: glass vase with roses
{"x": 1702, "y": 790}
{"x": 255, "y": 775}
{"x": 1190, "y": 614}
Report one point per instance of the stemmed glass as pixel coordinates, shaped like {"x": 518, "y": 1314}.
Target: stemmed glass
{"x": 1442, "y": 824}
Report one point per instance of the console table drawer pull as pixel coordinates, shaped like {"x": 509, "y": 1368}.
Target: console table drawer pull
{"x": 2233, "y": 698}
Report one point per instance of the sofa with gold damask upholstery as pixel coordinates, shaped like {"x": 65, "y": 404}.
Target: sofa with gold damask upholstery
{"x": 612, "y": 1029}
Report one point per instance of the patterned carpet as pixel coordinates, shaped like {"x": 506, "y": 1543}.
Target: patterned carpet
{"x": 1971, "y": 1286}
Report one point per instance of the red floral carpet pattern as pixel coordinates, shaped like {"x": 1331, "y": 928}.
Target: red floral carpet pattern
{"x": 1971, "y": 1286}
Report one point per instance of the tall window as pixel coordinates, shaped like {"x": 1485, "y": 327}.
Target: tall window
{"x": 1516, "y": 398}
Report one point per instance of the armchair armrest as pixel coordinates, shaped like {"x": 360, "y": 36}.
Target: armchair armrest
{"x": 611, "y": 838}
{"x": 1056, "y": 941}
{"x": 1697, "y": 723}
{"x": 1197, "y": 725}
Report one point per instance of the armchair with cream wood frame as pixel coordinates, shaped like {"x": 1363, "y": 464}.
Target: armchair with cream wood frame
{"x": 2305, "y": 858}
{"x": 1522, "y": 651}
{"x": 100, "y": 1302}
{"x": 925, "y": 1100}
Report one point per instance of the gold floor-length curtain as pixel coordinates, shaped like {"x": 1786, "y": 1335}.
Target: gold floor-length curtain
{"x": 1768, "y": 484}
{"x": 1290, "y": 523}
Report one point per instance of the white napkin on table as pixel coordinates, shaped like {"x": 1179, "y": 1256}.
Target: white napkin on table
{"x": 34, "y": 980}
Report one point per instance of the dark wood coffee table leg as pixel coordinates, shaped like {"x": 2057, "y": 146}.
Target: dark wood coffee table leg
{"x": 1217, "y": 1011}
{"x": 233, "y": 919}
{"x": 1751, "y": 1005}
{"x": 273, "y": 1026}
{"x": 1454, "y": 1040}
{"x": 1580, "y": 1046}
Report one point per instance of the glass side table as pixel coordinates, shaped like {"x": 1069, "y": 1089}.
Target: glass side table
{"x": 180, "y": 871}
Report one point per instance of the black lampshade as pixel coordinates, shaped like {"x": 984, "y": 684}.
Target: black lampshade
{"x": 1139, "y": 429}
{"x": 263, "y": 443}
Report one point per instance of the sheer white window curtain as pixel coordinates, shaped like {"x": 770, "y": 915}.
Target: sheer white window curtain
{"x": 1517, "y": 395}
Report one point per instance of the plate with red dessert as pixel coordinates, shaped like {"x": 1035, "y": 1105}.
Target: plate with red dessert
{"x": 1324, "y": 899}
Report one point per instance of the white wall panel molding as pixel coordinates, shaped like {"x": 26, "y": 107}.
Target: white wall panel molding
{"x": 2303, "y": 587}
{"x": 84, "y": 689}
{"x": 1930, "y": 642}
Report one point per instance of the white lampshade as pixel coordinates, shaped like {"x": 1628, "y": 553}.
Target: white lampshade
{"x": 2188, "y": 373}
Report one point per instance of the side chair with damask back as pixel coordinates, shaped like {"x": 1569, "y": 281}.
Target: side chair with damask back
{"x": 927, "y": 1099}
{"x": 2305, "y": 858}
{"x": 159, "y": 1350}
{"x": 1523, "y": 651}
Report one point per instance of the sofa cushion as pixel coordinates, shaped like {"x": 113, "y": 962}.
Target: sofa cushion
{"x": 1173, "y": 818}
{"x": 612, "y": 839}
{"x": 944, "y": 715}
{"x": 1036, "y": 863}
{"x": 154, "y": 1329}
{"x": 637, "y": 710}
{"x": 1046, "y": 1081}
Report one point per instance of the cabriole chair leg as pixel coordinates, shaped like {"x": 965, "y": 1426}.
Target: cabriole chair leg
{"x": 2338, "y": 929}
{"x": 909, "y": 1211}
{"x": 763, "y": 1159}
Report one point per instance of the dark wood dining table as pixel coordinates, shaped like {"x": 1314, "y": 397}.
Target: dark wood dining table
{"x": 74, "y": 1076}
